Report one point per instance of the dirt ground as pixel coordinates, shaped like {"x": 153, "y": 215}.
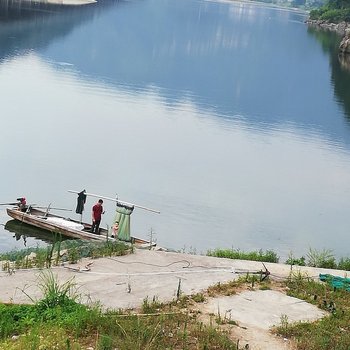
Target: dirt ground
{"x": 126, "y": 281}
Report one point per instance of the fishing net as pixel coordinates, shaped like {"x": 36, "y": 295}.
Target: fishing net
{"x": 121, "y": 224}
{"x": 336, "y": 282}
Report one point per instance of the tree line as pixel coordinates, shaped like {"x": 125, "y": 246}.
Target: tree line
{"x": 334, "y": 11}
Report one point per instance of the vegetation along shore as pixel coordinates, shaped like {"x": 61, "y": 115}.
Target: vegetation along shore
{"x": 335, "y": 16}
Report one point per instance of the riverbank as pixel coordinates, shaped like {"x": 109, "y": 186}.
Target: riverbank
{"x": 125, "y": 282}
{"x": 149, "y": 273}
{"x": 341, "y": 28}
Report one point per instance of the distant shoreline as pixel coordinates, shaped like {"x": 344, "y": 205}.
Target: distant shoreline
{"x": 65, "y": 2}
{"x": 267, "y": 4}
{"x": 86, "y": 2}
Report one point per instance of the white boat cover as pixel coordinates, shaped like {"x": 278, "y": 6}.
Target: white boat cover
{"x": 66, "y": 223}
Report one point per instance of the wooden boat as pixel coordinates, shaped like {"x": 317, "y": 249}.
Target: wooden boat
{"x": 65, "y": 226}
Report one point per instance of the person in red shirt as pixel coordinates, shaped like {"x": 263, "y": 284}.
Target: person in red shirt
{"x": 22, "y": 205}
{"x": 97, "y": 211}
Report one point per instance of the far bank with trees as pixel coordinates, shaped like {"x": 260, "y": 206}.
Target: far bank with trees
{"x": 334, "y": 15}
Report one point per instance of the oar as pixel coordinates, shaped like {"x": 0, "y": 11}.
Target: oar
{"x": 16, "y": 203}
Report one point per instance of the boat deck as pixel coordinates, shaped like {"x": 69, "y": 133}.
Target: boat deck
{"x": 65, "y": 226}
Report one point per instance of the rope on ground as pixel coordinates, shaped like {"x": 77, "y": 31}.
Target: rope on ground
{"x": 143, "y": 263}
{"x": 155, "y": 273}
{"x": 189, "y": 264}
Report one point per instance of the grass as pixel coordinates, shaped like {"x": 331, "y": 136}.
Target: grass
{"x": 73, "y": 250}
{"x": 246, "y": 281}
{"x": 260, "y": 255}
{"x": 315, "y": 258}
{"x": 151, "y": 307}
{"x": 58, "y": 321}
{"x": 60, "y": 252}
{"x": 55, "y": 319}
{"x": 331, "y": 332}
{"x": 323, "y": 258}
{"x": 320, "y": 258}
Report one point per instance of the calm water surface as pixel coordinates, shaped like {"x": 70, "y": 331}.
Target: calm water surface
{"x": 230, "y": 118}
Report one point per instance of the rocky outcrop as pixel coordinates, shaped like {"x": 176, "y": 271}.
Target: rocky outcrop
{"x": 344, "y": 47}
{"x": 340, "y": 28}
{"x": 344, "y": 51}
{"x": 343, "y": 28}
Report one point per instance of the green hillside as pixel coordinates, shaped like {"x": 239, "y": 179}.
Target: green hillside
{"x": 334, "y": 11}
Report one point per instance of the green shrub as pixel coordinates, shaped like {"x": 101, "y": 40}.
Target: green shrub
{"x": 344, "y": 264}
{"x": 75, "y": 250}
{"x": 323, "y": 258}
{"x": 292, "y": 260}
{"x": 333, "y": 12}
{"x": 268, "y": 256}
{"x": 198, "y": 298}
{"x": 335, "y": 16}
{"x": 151, "y": 307}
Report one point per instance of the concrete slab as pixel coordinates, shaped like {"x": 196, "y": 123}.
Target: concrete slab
{"x": 263, "y": 309}
{"x": 125, "y": 282}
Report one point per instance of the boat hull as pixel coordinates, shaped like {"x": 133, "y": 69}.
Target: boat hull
{"x": 41, "y": 219}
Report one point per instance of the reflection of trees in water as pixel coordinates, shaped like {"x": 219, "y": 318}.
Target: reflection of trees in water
{"x": 22, "y": 230}
{"x": 340, "y": 66}
{"x": 341, "y": 83}
{"x": 25, "y": 9}
{"x": 30, "y": 25}
{"x": 345, "y": 61}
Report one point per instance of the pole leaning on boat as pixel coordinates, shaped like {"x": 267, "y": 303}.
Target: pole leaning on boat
{"x": 116, "y": 200}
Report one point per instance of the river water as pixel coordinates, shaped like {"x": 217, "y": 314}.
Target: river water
{"x": 230, "y": 118}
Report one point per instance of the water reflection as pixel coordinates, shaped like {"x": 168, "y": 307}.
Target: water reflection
{"x": 216, "y": 183}
{"x": 340, "y": 66}
{"x": 23, "y": 231}
{"x": 202, "y": 110}
{"x": 17, "y": 236}
{"x": 228, "y": 58}
{"x": 216, "y": 60}
{"x": 28, "y": 25}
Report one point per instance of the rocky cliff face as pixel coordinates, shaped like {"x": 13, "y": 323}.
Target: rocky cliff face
{"x": 344, "y": 51}
{"x": 344, "y": 47}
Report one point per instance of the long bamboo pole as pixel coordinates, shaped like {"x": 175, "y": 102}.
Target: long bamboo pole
{"x": 116, "y": 200}
{"x": 53, "y": 208}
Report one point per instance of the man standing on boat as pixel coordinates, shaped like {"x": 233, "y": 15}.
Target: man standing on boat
{"x": 22, "y": 205}
{"x": 97, "y": 211}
